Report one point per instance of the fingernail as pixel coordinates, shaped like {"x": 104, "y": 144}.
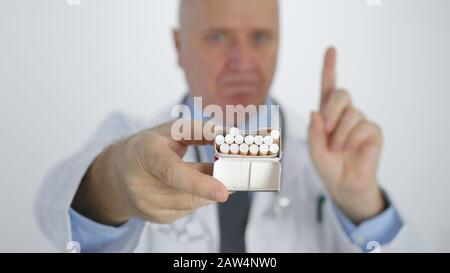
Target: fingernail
{"x": 217, "y": 195}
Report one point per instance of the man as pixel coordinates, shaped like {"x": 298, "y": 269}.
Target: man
{"x": 131, "y": 190}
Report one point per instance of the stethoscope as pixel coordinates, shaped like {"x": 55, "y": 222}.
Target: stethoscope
{"x": 193, "y": 229}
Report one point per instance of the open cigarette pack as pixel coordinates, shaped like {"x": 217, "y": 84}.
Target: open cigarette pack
{"x": 248, "y": 160}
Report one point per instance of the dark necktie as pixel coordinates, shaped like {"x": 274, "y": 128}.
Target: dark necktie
{"x": 233, "y": 216}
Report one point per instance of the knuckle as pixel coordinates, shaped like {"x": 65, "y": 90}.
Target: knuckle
{"x": 360, "y": 115}
{"x": 355, "y": 115}
{"x": 370, "y": 126}
{"x": 143, "y": 147}
{"x": 343, "y": 96}
{"x": 339, "y": 137}
{"x": 133, "y": 184}
{"x": 199, "y": 202}
{"x": 142, "y": 207}
{"x": 196, "y": 187}
{"x": 339, "y": 101}
{"x": 376, "y": 128}
{"x": 144, "y": 140}
{"x": 182, "y": 202}
{"x": 166, "y": 172}
{"x": 151, "y": 142}
{"x": 191, "y": 203}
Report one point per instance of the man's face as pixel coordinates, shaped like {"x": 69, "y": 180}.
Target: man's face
{"x": 228, "y": 49}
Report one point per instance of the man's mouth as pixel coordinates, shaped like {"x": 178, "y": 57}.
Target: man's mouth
{"x": 239, "y": 88}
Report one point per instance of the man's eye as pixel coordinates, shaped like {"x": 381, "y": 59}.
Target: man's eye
{"x": 217, "y": 37}
{"x": 260, "y": 38}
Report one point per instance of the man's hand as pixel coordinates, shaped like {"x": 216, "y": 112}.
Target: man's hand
{"x": 144, "y": 176}
{"x": 345, "y": 148}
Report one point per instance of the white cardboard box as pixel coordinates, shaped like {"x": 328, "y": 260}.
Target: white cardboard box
{"x": 248, "y": 173}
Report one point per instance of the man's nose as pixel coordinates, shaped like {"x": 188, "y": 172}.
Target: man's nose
{"x": 241, "y": 57}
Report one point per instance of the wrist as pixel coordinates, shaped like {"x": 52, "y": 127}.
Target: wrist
{"x": 98, "y": 196}
{"x": 363, "y": 205}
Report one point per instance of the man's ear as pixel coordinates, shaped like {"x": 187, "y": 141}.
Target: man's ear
{"x": 177, "y": 42}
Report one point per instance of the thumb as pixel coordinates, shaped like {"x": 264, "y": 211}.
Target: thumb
{"x": 317, "y": 137}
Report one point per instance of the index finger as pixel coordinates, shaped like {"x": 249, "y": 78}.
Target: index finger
{"x": 328, "y": 76}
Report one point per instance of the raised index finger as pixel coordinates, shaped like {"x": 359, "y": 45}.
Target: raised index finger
{"x": 328, "y": 76}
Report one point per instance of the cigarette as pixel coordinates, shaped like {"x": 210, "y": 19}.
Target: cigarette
{"x": 254, "y": 149}
{"x": 249, "y": 139}
{"x": 234, "y": 131}
{"x": 234, "y": 149}
{"x": 239, "y": 139}
{"x": 268, "y": 140}
{"x": 220, "y": 139}
{"x": 275, "y": 134}
{"x": 263, "y": 149}
{"x": 274, "y": 149}
{"x": 243, "y": 149}
{"x": 259, "y": 140}
{"x": 225, "y": 148}
{"x": 229, "y": 139}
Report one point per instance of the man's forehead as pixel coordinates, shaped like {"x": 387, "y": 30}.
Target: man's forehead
{"x": 228, "y": 13}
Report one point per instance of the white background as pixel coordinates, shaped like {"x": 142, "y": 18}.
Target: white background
{"x": 64, "y": 68}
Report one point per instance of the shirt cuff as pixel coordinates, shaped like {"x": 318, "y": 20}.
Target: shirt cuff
{"x": 96, "y": 237}
{"x": 381, "y": 229}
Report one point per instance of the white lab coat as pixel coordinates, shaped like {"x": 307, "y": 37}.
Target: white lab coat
{"x": 295, "y": 230}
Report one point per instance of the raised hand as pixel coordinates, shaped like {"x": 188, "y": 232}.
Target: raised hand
{"x": 345, "y": 148}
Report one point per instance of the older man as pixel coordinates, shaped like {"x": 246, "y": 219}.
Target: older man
{"x": 141, "y": 194}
